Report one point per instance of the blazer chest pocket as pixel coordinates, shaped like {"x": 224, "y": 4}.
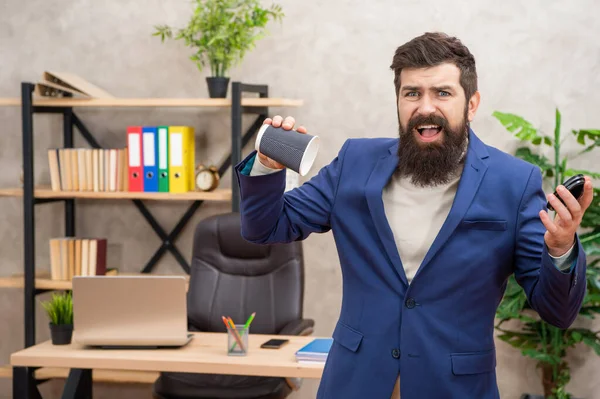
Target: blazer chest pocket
{"x": 495, "y": 225}
{"x": 473, "y": 362}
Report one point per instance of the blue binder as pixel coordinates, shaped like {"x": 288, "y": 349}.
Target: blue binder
{"x": 150, "y": 157}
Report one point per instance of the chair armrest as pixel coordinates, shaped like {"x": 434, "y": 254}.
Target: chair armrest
{"x": 298, "y": 327}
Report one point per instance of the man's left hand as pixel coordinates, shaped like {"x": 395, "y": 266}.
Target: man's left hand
{"x": 560, "y": 232}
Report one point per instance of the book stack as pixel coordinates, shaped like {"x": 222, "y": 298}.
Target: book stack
{"x": 67, "y": 84}
{"x": 314, "y": 352}
{"x": 70, "y": 256}
{"x": 161, "y": 158}
{"x": 87, "y": 169}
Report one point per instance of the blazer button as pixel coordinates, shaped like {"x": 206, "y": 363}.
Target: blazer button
{"x": 395, "y": 353}
{"x": 410, "y": 303}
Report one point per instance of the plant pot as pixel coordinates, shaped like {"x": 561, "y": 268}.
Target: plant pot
{"x": 217, "y": 86}
{"x": 61, "y": 334}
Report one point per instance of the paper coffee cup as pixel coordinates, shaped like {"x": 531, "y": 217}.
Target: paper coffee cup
{"x": 296, "y": 151}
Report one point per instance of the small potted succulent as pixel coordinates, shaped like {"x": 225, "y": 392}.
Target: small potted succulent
{"x": 60, "y": 311}
{"x": 220, "y": 33}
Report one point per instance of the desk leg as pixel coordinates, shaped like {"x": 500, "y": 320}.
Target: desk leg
{"x": 78, "y": 385}
{"x": 24, "y": 384}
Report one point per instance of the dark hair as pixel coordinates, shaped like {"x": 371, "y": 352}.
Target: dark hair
{"x": 431, "y": 49}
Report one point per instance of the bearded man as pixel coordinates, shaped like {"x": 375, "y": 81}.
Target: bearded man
{"x": 428, "y": 227}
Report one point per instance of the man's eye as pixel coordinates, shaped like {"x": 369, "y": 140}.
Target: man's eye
{"x": 412, "y": 94}
{"x": 444, "y": 93}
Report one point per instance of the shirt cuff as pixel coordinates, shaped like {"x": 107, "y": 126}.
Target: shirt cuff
{"x": 258, "y": 169}
{"x": 564, "y": 262}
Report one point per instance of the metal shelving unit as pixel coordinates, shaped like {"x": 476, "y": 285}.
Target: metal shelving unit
{"x": 33, "y": 196}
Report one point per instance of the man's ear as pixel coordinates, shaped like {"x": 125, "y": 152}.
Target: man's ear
{"x": 473, "y": 105}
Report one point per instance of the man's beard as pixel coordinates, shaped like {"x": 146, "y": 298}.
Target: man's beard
{"x": 435, "y": 163}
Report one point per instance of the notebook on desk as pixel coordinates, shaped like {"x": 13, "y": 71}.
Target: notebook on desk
{"x": 130, "y": 311}
{"x": 315, "y": 351}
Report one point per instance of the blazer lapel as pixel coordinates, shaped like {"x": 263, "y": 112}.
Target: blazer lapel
{"x": 381, "y": 174}
{"x": 472, "y": 175}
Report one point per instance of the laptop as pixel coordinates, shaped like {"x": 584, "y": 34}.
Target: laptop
{"x": 130, "y": 311}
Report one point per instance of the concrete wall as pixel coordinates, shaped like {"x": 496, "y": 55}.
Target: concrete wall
{"x": 532, "y": 57}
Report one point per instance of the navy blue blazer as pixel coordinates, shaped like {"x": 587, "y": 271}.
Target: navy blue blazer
{"x": 437, "y": 332}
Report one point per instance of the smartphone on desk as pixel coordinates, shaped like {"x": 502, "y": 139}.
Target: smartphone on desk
{"x": 274, "y": 343}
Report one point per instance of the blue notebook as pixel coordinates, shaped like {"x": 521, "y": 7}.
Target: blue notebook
{"x": 315, "y": 351}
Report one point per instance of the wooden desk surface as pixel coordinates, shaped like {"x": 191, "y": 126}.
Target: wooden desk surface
{"x": 206, "y": 353}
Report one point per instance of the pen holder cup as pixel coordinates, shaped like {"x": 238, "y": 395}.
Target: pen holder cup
{"x": 237, "y": 340}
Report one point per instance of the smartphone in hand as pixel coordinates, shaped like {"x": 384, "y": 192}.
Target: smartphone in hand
{"x": 575, "y": 186}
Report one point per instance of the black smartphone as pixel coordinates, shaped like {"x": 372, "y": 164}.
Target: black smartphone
{"x": 274, "y": 343}
{"x": 575, "y": 185}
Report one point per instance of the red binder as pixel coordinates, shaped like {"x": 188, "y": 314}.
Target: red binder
{"x": 136, "y": 165}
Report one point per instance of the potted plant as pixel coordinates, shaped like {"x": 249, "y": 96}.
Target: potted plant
{"x": 60, "y": 311}
{"x": 544, "y": 343}
{"x": 220, "y": 32}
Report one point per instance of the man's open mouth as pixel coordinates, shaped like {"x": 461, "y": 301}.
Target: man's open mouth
{"x": 428, "y": 132}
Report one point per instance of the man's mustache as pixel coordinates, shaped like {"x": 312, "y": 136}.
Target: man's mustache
{"x": 427, "y": 120}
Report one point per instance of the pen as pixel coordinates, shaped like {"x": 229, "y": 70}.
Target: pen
{"x": 229, "y": 324}
{"x": 246, "y": 326}
{"x": 249, "y": 321}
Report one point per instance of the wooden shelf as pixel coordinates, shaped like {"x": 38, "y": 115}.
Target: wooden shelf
{"x": 153, "y": 102}
{"x": 46, "y": 192}
{"x": 40, "y": 283}
{"x": 116, "y": 376}
{"x": 45, "y": 283}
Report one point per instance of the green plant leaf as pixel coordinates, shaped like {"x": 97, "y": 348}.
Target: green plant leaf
{"x": 542, "y": 357}
{"x": 593, "y": 342}
{"x": 522, "y": 129}
{"x": 589, "y": 134}
{"x": 60, "y": 308}
{"x": 591, "y": 242}
{"x": 540, "y": 161}
{"x": 520, "y": 340}
{"x": 573, "y": 172}
{"x": 221, "y": 32}
{"x": 591, "y": 217}
{"x": 537, "y": 339}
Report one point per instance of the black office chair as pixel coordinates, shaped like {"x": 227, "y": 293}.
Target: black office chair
{"x": 232, "y": 277}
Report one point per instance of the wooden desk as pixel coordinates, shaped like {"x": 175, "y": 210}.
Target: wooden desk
{"x": 206, "y": 353}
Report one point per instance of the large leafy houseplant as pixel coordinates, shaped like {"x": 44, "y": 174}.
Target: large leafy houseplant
{"x": 221, "y": 32}
{"x": 544, "y": 343}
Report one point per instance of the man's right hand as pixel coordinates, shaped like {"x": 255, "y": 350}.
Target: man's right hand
{"x": 287, "y": 124}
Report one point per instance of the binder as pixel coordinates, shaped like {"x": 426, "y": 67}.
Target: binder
{"x": 181, "y": 159}
{"x": 149, "y": 147}
{"x": 163, "y": 159}
{"x": 135, "y": 165}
